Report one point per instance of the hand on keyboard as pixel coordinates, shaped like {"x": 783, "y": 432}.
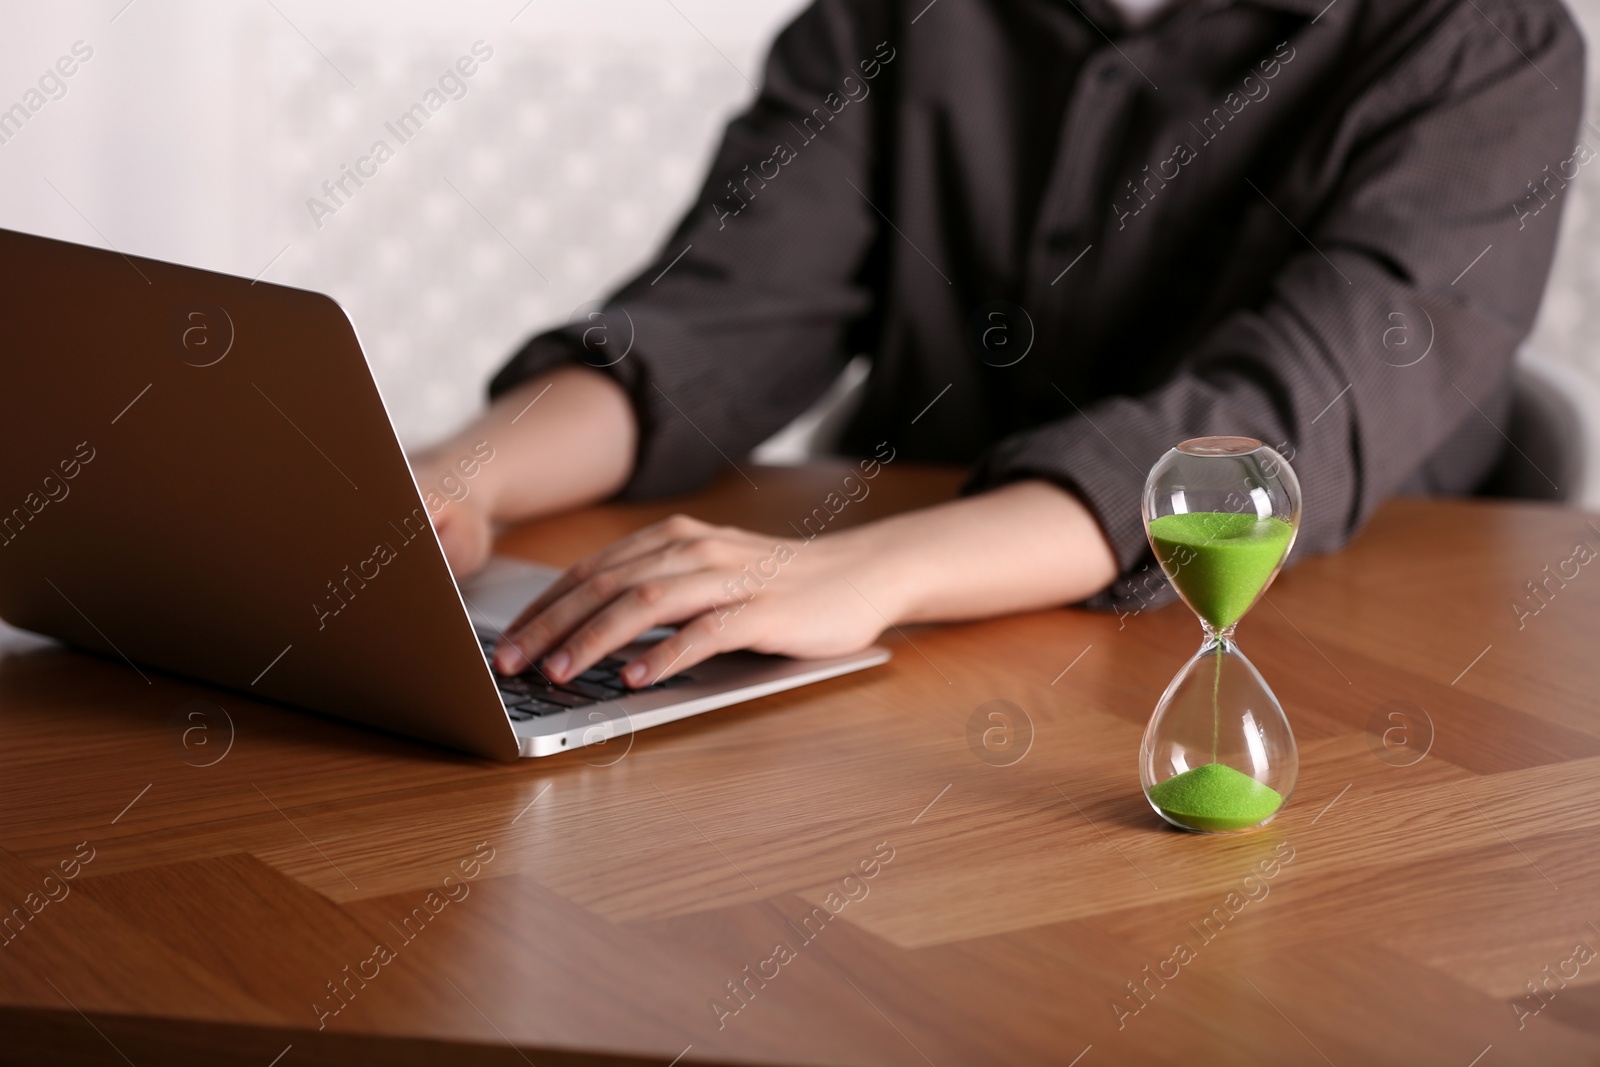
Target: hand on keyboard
{"x": 728, "y": 589}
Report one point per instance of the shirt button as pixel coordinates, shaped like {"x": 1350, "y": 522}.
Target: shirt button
{"x": 1110, "y": 72}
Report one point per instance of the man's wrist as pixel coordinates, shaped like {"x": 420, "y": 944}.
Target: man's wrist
{"x": 1021, "y": 547}
{"x": 880, "y": 560}
{"x": 460, "y": 471}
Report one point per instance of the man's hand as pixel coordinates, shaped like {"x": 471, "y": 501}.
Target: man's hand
{"x": 559, "y": 441}
{"x": 459, "y": 510}
{"x": 729, "y": 587}
{"x": 1025, "y": 546}
{"x": 466, "y": 535}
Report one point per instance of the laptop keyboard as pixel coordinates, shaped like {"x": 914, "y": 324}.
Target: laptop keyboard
{"x": 528, "y": 695}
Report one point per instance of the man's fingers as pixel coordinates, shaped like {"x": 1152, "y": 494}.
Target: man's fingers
{"x": 701, "y": 639}
{"x": 636, "y": 544}
{"x": 524, "y": 643}
{"x": 653, "y": 602}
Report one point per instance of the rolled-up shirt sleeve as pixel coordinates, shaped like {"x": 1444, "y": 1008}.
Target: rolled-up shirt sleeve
{"x": 1395, "y": 324}
{"x": 744, "y": 317}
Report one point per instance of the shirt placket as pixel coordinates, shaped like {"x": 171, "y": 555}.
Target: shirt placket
{"x": 1064, "y": 245}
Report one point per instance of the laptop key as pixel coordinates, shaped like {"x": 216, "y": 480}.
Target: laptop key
{"x": 592, "y": 690}
{"x": 557, "y": 696}
{"x": 536, "y": 707}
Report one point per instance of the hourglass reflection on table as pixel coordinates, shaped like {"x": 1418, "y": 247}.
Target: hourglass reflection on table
{"x": 1218, "y": 755}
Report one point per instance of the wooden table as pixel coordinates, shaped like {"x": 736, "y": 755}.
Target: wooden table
{"x": 937, "y": 899}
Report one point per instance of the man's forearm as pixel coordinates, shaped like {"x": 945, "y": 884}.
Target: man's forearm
{"x": 1025, "y": 546}
{"x": 561, "y": 440}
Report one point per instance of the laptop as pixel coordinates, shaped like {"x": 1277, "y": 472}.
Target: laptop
{"x": 200, "y": 477}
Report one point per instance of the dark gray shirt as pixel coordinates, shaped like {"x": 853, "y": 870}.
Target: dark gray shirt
{"x": 1067, "y": 246}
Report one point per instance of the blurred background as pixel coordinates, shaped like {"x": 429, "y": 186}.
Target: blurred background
{"x": 198, "y": 132}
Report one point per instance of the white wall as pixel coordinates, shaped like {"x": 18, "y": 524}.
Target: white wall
{"x": 1569, "y": 321}
{"x": 198, "y": 130}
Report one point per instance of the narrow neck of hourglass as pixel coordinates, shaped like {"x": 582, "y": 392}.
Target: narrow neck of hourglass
{"x": 1215, "y": 637}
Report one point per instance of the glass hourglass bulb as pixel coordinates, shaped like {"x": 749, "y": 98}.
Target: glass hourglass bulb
{"x": 1221, "y": 514}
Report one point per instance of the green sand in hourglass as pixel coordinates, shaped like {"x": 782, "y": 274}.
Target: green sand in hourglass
{"x": 1220, "y": 561}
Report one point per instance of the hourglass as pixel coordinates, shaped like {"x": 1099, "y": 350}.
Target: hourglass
{"x": 1221, "y": 514}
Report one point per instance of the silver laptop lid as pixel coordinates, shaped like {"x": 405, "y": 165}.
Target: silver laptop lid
{"x": 200, "y": 477}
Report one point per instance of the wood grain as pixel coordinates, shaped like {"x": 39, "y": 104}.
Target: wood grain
{"x": 1022, "y": 905}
